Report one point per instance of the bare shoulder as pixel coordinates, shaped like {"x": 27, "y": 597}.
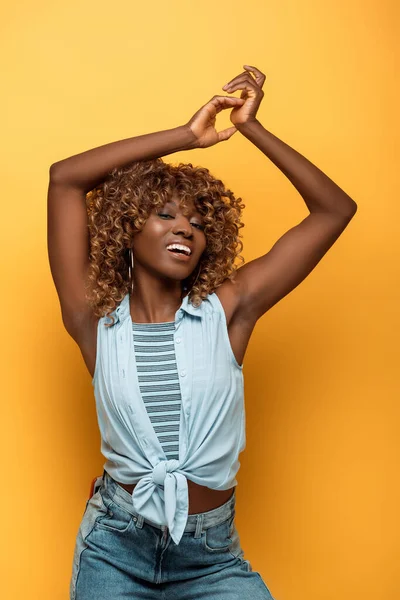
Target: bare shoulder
{"x": 228, "y": 295}
{"x": 83, "y": 329}
{"x": 82, "y": 326}
{"x": 240, "y": 327}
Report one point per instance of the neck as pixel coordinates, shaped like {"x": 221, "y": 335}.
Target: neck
{"x": 153, "y": 300}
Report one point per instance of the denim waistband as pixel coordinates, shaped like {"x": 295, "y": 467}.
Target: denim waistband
{"x": 195, "y": 521}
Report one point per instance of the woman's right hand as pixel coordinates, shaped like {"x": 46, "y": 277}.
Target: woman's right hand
{"x": 202, "y": 124}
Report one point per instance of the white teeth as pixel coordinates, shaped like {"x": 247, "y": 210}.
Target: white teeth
{"x": 180, "y": 247}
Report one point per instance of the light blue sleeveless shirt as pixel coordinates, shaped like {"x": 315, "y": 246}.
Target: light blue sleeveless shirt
{"x": 212, "y": 421}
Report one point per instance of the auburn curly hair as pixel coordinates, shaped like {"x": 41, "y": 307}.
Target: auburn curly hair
{"x": 120, "y": 207}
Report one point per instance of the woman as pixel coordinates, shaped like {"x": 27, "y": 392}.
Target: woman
{"x": 162, "y": 316}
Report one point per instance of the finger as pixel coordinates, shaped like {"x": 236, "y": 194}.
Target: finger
{"x": 243, "y": 84}
{"x": 226, "y": 134}
{"x": 223, "y": 102}
{"x": 253, "y": 73}
{"x": 260, "y": 77}
{"x": 240, "y": 79}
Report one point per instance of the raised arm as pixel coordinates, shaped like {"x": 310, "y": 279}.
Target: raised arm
{"x": 264, "y": 281}
{"x": 67, "y": 231}
{"x": 72, "y": 178}
{"x": 88, "y": 169}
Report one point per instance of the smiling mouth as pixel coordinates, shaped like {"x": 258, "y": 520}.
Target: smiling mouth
{"x": 179, "y": 255}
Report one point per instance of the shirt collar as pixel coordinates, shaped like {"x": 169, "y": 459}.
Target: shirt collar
{"x": 122, "y": 311}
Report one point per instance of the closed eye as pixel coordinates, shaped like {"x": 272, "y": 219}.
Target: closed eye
{"x": 197, "y": 225}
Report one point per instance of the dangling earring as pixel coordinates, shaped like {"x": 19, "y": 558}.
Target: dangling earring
{"x": 130, "y": 267}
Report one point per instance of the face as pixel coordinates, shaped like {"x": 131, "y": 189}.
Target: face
{"x": 168, "y": 225}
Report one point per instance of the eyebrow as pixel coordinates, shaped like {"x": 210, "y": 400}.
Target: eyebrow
{"x": 176, "y": 205}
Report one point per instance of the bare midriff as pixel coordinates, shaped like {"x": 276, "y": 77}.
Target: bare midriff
{"x": 201, "y": 498}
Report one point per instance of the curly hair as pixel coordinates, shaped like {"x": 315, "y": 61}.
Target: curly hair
{"x": 120, "y": 207}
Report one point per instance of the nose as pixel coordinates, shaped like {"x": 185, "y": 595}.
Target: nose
{"x": 182, "y": 226}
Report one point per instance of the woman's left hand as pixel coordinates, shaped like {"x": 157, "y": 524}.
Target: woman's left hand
{"x": 251, "y": 92}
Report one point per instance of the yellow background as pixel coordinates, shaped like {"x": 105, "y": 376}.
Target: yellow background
{"x": 318, "y": 494}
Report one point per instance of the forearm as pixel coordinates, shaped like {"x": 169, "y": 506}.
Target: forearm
{"x": 88, "y": 169}
{"x": 318, "y": 191}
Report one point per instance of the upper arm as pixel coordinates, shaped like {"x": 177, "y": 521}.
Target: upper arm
{"x": 262, "y": 282}
{"x": 68, "y": 247}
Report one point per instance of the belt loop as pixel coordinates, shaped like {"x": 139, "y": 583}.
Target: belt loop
{"x": 98, "y": 484}
{"x": 139, "y": 520}
{"x": 199, "y": 525}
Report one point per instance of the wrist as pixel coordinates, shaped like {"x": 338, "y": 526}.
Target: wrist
{"x": 248, "y": 126}
{"x": 191, "y": 139}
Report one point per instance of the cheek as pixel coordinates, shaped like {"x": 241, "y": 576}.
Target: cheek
{"x": 203, "y": 243}
{"x": 160, "y": 226}
{"x": 152, "y": 233}
{"x": 154, "y": 226}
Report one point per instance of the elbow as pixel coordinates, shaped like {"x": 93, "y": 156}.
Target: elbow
{"x": 350, "y": 210}
{"x": 354, "y": 206}
{"x": 52, "y": 171}
{"x": 353, "y": 209}
{"x": 55, "y": 172}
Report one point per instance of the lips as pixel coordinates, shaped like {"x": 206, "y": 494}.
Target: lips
{"x": 179, "y": 247}
{"x": 179, "y": 255}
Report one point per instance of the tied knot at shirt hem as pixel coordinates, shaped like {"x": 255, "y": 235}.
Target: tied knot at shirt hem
{"x": 173, "y": 500}
{"x": 162, "y": 468}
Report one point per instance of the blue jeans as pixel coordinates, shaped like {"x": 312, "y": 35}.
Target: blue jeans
{"x": 119, "y": 555}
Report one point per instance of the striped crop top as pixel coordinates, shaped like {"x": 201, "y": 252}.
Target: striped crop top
{"x": 158, "y": 381}
{"x": 170, "y": 407}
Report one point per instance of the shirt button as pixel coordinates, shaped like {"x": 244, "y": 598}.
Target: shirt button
{"x": 183, "y": 373}
{"x": 178, "y": 340}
